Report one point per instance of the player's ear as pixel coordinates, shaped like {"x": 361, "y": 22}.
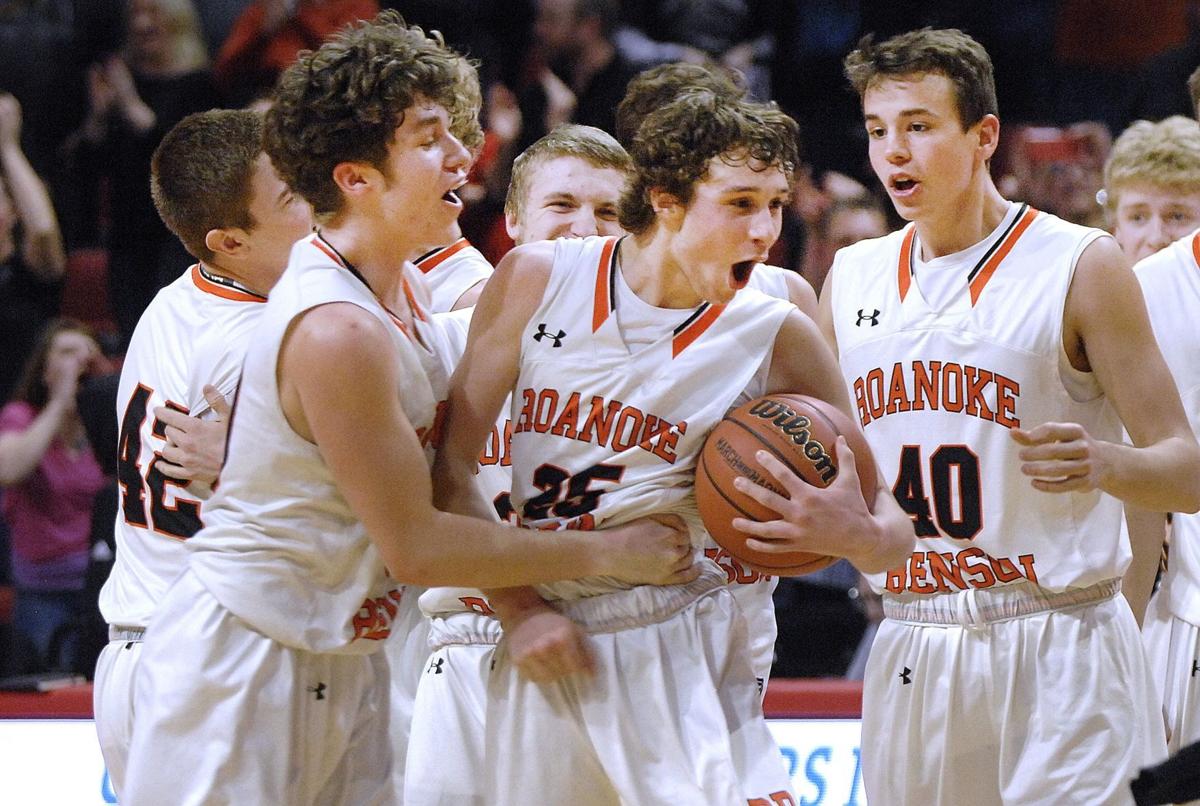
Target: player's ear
{"x": 989, "y": 135}
{"x": 512, "y": 227}
{"x": 230, "y": 241}
{"x": 352, "y": 178}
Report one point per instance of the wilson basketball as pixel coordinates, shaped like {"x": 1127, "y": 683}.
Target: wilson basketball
{"x": 801, "y": 432}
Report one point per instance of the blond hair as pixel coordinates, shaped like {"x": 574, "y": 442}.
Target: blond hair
{"x": 594, "y": 146}
{"x": 1164, "y": 154}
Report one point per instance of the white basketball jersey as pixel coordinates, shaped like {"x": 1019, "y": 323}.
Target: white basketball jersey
{"x": 602, "y": 434}
{"x": 771, "y": 280}
{"x": 450, "y": 271}
{"x": 193, "y": 333}
{"x": 281, "y": 548}
{"x": 1170, "y": 282}
{"x": 938, "y": 386}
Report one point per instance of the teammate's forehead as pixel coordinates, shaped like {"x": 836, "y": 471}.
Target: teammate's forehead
{"x": 564, "y": 175}
{"x": 909, "y": 95}
{"x": 734, "y": 174}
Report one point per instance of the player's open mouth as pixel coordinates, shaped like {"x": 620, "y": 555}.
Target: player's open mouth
{"x": 451, "y": 197}
{"x": 903, "y": 185}
{"x": 740, "y": 274}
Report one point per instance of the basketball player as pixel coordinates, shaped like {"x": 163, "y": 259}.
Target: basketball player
{"x": 615, "y": 383}
{"x": 269, "y": 687}
{"x": 993, "y": 352}
{"x": 216, "y": 190}
{"x": 1152, "y": 185}
{"x": 650, "y": 90}
{"x": 567, "y": 184}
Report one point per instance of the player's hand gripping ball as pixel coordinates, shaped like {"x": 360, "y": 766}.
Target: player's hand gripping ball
{"x": 801, "y": 432}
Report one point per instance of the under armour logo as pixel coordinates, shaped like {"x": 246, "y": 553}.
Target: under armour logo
{"x": 906, "y": 676}
{"x": 319, "y": 690}
{"x": 435, "y": 666}
{"x": 544, "y": 334}
{"x": 1195, "y": 668}
{"x": 872, "y": 317}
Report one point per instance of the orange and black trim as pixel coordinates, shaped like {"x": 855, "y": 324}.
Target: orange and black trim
{"x": 333, "y": 254}
{"x": 605, "y": 300}
{"x": 432, "y": 259}
{"x": 694, "y": 326}
{"x": 988, "y": 264}
{"x": 223, "y": 287}
{"x": 417, "y": 310}
{"x": 984, "y": 269}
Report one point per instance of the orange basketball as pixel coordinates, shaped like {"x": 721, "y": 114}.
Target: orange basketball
{"x": 801, "y": 432}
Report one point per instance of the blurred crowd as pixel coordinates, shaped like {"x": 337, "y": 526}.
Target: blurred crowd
{"x": 91, "y": 86}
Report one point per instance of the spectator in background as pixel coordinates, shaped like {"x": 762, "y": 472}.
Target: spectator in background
{"x": 1056, "y": 169}
{"x": 848, "y": 218}
{"x": 267, "y": 36}
{"x": 31, "y": 250}
{"x": 50, "y": 479}
{"x": 576, "y": 41}
{"x": 1151, "y": 193}
{"x": 135, "y": 97}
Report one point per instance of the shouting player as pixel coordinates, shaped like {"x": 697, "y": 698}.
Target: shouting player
{"x": 616, "y": 380}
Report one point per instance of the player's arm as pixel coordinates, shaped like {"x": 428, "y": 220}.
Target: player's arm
{"x": 1107, "y": 329}
{"x": 836, "y": 520}
{"x": 801, "y": 293}
{"x": 339, "y": 388}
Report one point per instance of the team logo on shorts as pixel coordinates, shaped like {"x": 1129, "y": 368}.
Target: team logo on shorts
{"x": 905, "y": 676}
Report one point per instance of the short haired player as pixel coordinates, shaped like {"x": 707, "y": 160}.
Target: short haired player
{"x": 216, "y": 190}
{"x": 615, "y": 382}
{"x": 993, "y": 353}
{"x": 1152, "y": 185}
{"x": 566, "y": 184}
{"x": 269, "y": 686}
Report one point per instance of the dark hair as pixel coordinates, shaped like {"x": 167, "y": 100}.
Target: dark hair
{"x": 31, "y": 387}
{"x": 344, "y": 101}
{"x": 674, "y": 145}
{"x": 948, "y": 52}
{"x": 654, "y": 88}
{"x": 1194, "y": 90}
{"x": 200, "y": 175}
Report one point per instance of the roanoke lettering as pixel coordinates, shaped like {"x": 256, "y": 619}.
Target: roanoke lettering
{"x": 933, "y": 386}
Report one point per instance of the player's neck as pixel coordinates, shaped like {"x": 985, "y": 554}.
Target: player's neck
{"x": 376, "y": 260}
{"x": 652, "y": 274}
{"x": 961, "y": 226}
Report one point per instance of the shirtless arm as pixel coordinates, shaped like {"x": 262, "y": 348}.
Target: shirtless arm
{"x": 801, "y": 293}
{"x": 835, "y": 520}
{"x": 338, "y": 382}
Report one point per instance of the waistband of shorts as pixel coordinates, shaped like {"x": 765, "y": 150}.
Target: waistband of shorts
{"x": 120, "y": 632}
{"x": 640, "y": 606}
{"x": 977, "y": 607}
{"x": 452, "y": 629}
